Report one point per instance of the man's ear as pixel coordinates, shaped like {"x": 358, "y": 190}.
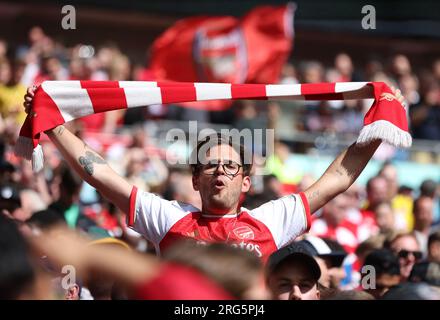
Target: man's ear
{"x": 73, "y": 292}
{"x": 195, "y": 181}
{"x": 246, "y": 184}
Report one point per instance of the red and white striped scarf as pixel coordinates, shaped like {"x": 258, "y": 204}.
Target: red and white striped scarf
{"x": 57, "y": 102}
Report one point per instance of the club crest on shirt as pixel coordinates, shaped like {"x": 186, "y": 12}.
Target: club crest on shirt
{"x": 244, "y": 232}
{"x": 193, "y": 234}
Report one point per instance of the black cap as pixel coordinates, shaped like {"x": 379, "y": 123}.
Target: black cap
{"x": 384, "y": 261}
{"x": 426, "y": 271}
{"x": 296, "y": 250}
{"x": 327, "y": 249}
{"x": 6, "y": 166}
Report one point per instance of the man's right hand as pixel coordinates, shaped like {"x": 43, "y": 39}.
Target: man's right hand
{"x": 28, "y": 98}
{"x": 85, "y": 161}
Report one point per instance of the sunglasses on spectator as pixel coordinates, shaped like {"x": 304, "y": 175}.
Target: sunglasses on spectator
{"x": 405, "y": 253}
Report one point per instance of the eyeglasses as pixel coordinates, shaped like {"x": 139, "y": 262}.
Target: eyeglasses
{"x": 229, "y": 167}
{"x": 405, "y": 253}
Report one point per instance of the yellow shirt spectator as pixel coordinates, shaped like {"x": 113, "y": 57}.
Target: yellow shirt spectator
{"x": 11, "y": 102}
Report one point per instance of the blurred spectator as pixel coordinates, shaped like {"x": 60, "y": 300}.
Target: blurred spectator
{"x": 434, "y": 247}
{"x": 425, "y": 117}
{"x": 423, "y": 208}
{"x": 429, "y": 188}
{"x": 409, "y": 84}
{"x": 344, "y": 66}
{"x": 289, "y": 74}
{"x": 412, "y": 291}
{"x": 402, "y": 204}
{"x": 351, "y": 295}
{"x": 377, "y": 191}
{"x": 385, "y": 217}
{"x": 428, "y": 272}
{"x": 332, "y": 255}
{"x": 387, "y": 272}
{"x": 407, "y": 249}
{"x": 11, "y": 94}
{"x": 20, "y": 277}
{"x": 277, "y": 164}
{"x": 334, "y": 224}
{"x": 366, "y": 247}
{"x": 45, "y": 219}
{"x": 400, "y": 66}
{"x": 67, "y": 205}
{"x": 364, "y": 219}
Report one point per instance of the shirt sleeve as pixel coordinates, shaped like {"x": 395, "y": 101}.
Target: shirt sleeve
{"x": 151, "y": 215}
{"x": 287, "y": 217}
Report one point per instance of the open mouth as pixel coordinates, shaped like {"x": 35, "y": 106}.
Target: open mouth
{"x": 219, "y": 184}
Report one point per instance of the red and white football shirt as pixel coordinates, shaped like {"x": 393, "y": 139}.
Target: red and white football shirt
{"x": 262, "y": 230}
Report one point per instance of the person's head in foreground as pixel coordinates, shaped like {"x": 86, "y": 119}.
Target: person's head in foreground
{"x": 412, "y": 291}
{"x": 384, "y": 273}
{"x": 350, "y": 295}
{"x": 238, "y": 271}
{"x": 21, "y": 278}
{"x": 221, "y": 173}
{"x": 293, "y": 273}
{"x": 428, "y": 272}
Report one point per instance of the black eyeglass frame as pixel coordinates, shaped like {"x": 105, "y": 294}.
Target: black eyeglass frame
{"x": 225, "y": 169}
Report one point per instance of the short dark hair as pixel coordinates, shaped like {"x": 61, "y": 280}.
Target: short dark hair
{"x": 232, "y": 268}
{"x": 433, "y": 237}
{"x": 218, "y": 139}
{"x": 16, "y": 266}
{"x": 44, "y": 219}
{"x": 428, "y": 188}
{"x": 350, "y": 295}
{"x": 384, "y": 262}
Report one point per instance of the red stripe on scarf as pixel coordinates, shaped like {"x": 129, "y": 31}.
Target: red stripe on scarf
{"x": 248, "y": 91}
{"x": 48, "y": 115}
{"x": 178, "y": 94}
{"x": 107, "y": 99}
{"x": 320, "y": 91}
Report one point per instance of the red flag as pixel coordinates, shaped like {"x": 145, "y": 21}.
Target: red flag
{"x": 226, "y": 49}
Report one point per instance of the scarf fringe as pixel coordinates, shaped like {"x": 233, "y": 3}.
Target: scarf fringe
{"x": 387, "y": 132}
{"x": 24, "y": 148}
{"x": 37, "y": 159}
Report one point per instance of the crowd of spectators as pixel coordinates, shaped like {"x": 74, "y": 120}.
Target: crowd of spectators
{"x": 383, "y": 224}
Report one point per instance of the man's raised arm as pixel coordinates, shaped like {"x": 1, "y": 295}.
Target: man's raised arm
{"x": 340, "y": 175}
{"x": 343, "y": 171}
{"x": 88, "y": 163}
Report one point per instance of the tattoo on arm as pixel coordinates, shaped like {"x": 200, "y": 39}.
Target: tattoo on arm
{"x": 59, "y": 130}
{"x": 88, "y": 160}
{"x": 339, "y": 172}
{"x": 315, "y": 194}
